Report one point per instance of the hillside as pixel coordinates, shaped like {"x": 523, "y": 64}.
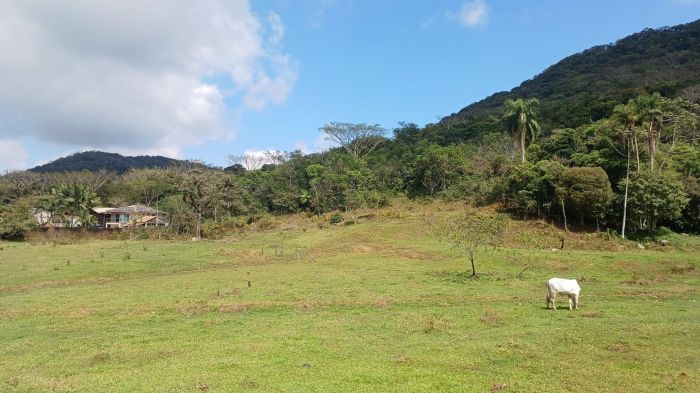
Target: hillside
{"x": 98, "y": 160}
{"x": 378, "y": 306}
{"x": 587, "y": 85}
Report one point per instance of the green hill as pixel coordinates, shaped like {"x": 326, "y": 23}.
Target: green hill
{"x": 587, "y": 85}
{"x": 98, "y": 160}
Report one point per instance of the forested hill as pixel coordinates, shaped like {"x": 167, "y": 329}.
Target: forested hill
{"x": 587, "y": 85}
{"x": 98, "y": 160}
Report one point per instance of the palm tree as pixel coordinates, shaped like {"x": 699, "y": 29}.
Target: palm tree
{"x": 520, "y": 120}
{"x": 73, "y": 200}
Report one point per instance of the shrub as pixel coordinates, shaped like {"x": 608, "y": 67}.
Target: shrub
{"x": 16, "y": 221}
{"x": 336, "y": 218}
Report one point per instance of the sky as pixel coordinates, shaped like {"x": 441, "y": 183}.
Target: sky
{"x": 212, "y": 78}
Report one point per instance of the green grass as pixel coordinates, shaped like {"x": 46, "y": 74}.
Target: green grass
{"x": 378, "y": 306}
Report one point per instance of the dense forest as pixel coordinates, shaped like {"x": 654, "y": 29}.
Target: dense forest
{"x": 632, "y": 168}
{"x": 586, "y": 86}
{"x": 97, "y": 161}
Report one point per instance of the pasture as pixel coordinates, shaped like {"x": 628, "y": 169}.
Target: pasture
{"x": 378, "y": 306}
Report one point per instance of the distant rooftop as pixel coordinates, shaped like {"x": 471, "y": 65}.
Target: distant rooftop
{"x": 127, "y": 209}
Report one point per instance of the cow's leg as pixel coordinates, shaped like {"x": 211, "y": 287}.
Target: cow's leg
{"x": 571, "y": 303}
{"x": 576, "y": 302}
{"x": 554, "y": 301}
{"x": 547, "y": 300}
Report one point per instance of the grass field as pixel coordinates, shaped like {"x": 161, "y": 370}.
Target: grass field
{"x": 377, "y": 306}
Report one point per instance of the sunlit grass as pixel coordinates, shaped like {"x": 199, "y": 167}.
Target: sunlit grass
{"x": 376, "y": 306}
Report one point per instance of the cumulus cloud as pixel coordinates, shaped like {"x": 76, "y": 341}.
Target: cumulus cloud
{"x": 12, "y": 155}
{"x": 139, "y": 77}
{"x": 472, "y": 14}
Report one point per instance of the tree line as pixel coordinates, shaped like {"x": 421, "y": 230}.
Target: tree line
{"x": 633, "y": 171}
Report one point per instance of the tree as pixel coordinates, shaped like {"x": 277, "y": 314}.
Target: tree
{"x": 655, "y": 197}
{"x": 198, "y": 191}
{"x": 149, "y": 185}
{"x": 520, "y": 121}
{"x": 585, "y": 191}
{"x": 358, "y": 140}
{"x": 249, "y": 161}
{"x": 473, "y": 232}
{"x": 530, "y": 188}
{"x": 624, "y": 122}
{"x": 16, "y": 220}
{"x": 437, "y": 167}
{"x": 71, "y": 201}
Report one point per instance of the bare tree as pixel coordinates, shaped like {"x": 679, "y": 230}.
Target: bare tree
{"x": 357, "y": 139}
{"x": 250, "y": 161}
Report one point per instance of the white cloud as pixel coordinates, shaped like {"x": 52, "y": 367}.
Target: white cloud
{"x": 136, "y": 76}
{"x": 12, "y": 155}
{"x": 471, "y": 14}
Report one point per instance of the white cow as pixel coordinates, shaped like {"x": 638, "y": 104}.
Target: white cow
{"x": 563, "y": 286}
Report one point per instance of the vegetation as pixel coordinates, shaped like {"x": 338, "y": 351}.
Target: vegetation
{"x": 331, "y": 271}
{"x": 520, "y": 121}
{"x": 16, "y": 221}
{"x": 473, "y": 232}
{"x": 585, "y": 87}
{"x": 97, "y": 160}
{"x": 648, "y": 149}
{"x": 378, "y": 306}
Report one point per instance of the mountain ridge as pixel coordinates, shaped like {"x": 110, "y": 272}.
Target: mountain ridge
{"x": 585, "y": 86}
{"x": 94, "y": 160}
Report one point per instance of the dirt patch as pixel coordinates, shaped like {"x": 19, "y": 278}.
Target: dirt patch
{"x": 416, "y": 255}
{"x": 99, "y": 359}
{"x": 621, "y": 347}
{"x": 255, "y": 305}
{"x": 362, "y": 249}
{"x": 194, "y": 309}
{"x": 52, "y": 284}
{"x": 683, "y": 269}
{"x": 491, "y": 318}
{"x": 83, "y": 312}
{"x": 497, "y": 387}
{"x": 595, "y": 314}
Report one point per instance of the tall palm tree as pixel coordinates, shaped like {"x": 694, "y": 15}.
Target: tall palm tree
{"x": 520, "y": 120}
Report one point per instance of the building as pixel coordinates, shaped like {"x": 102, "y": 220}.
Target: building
{"x": 122, "y": 217}
{"x": 45, "y": 219}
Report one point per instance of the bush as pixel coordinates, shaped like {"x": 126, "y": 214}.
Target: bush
{"x": 16, "y": 221}
{"x": 336, "y": 218}
{"x": 654, "y": 197}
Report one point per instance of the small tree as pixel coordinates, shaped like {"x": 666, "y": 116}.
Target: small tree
{"x": 654, "y": 197}
{"x": 197, "y": 189}
{"x": 16, "y": 220}
{"x": 585, "y": 191}
{"x": 473, "y": 232}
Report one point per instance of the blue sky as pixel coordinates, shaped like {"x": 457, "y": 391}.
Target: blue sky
{"x": 338, "y": 60}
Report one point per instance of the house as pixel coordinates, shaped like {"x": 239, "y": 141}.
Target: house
{"x": 45, "y": 219}
{"x": 122, "y": 217}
